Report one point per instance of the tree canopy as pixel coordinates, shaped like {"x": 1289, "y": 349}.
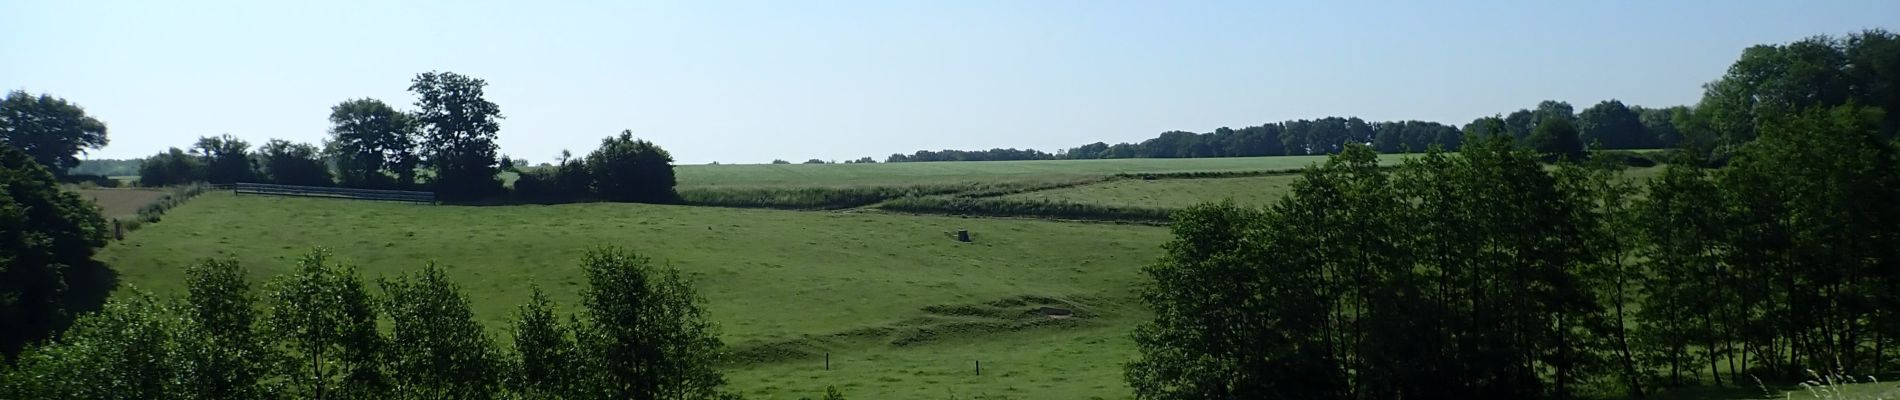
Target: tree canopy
{"x": 459, "y": 127}
{"x": 49, "y": 129}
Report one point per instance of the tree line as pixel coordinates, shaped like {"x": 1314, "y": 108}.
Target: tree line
{"x": 1491, "y": 274}
{"x": 640, "y": 333}
{"x": 1608, "y": 125}
{"x": 446, "y": 145}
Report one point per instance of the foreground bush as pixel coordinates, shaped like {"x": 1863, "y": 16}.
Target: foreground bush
{"x": 642, "y": 334}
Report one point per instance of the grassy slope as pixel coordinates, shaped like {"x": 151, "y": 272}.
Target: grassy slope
{"x": 769, "y": 277}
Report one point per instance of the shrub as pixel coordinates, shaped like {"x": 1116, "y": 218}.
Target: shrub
{"x": 1024, "y": 208}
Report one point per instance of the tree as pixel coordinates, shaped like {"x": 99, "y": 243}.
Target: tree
{"x": 46, "y": 234}
{"x": 121, "y": 352}
{"x": 227, "y": 159}
{"x": 173, "y": 167}
{"x": 644, "y": 334}
{"x": 459, "y": 128}
{"x": 628, "y": 169}
{"x": 326, "y": 322}
{"x": 435, "y": 348}
{"x": 1612, "y": 125}
{"x": 223, "y": 356}
{"x": 549, "y": 364}
{"x": 371, "y": 140}
{"x": 49, "y": 129}
{"x": 287, "y": 163}
{"x": 1557, "y": 138}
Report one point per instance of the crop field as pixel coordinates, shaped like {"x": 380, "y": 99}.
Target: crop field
{"x": 121, "y": 203}
{"x": 896, "y": 301}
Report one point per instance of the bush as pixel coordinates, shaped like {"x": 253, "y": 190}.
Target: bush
{"x": 628, "y": 169}
{"x": 171, "y": 167}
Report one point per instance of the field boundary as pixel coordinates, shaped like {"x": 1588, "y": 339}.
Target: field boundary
{"x": 333, "y": 192}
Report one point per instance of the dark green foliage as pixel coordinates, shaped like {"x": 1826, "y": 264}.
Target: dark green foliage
{"x": 1820, "y": 71}
{"x": 549, "y": 364}
{"x": 125, "y": 351}
{"x": 1449, "y": 278}
{"x": 459, "y": 128}
{"x": 435, "y": 347}
{"x": 287, "y": 163}
{"x": 961, "y": 155}
{"x": 325, "y": 321}
{"x": 50, "y": 130}
{"x": 221, "y": 353}
{"x": 172, "y": 167}
{"x": 1557, "y": 139}
{"x": 227, "y": 159}
{"x": 627, "y": 169}
{"x": 370, "y": 141}
{"x": 1612, "y": 125}
{"x": 643, "y": 334}
{"x": 106, "y": 167}
{"x": 45, "y": 234}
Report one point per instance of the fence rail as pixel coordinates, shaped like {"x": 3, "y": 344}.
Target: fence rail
{"x": 333, "y": 192}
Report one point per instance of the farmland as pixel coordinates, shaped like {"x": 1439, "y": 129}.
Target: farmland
{"x": 900, "y": 308}
{"x": 784, "y": 286}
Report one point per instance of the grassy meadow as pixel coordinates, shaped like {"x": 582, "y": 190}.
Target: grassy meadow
{"x": 902, "y": 309}
{"x": 894, "y": 298}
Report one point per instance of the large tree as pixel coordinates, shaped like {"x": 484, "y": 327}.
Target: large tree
{"x": 1557, "y": 137}
{"x": 371, "y": 140}
{"x": 459, "y": 128}
{"x": 227, "y": 159}
{"x": 289, "y": 163}
{"x": 49, "y": 129}
{"x": 45, "y": 233}
{"x": 436, "y": 349}
{"x": 325, "y": 320}
{"x": 628, "y": 169}
{"x": 171, "y": 167}
{"x": 1612, "y": 125}
{"x": 644, "y": 334}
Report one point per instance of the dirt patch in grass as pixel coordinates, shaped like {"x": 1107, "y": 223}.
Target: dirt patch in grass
{"x": 121, "y": 203}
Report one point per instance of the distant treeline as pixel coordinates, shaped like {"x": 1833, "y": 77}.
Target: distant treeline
{"x": 1608, "y": 125}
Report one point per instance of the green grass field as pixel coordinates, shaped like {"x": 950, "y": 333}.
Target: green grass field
{"x": 896, "y": 301}
{"x": 692, "y": 176}
{"x": 1171, "y": 193}
{"x": 903, "y": 310}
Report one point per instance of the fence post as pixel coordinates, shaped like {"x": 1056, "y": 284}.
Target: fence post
{"x": 979, "y": 367}
{"x": 827, "y": 361}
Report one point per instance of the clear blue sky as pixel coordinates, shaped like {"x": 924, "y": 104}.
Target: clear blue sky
{"x": 753, "y": 81}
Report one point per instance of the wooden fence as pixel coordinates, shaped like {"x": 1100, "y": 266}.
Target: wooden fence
{"x": 333, "y": 192}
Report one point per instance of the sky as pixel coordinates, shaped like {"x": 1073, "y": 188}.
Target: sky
{"x": 749, "y": 82}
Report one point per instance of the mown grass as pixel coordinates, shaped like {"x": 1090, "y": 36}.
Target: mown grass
{"x": 880, "y": 292}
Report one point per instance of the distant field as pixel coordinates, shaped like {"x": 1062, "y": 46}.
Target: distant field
{"x": 1171, "y": 193}
{"x": 1179, "y": 193}
{"x": 904, "y": 309}
{"x": 970, "y": 171}
{"x": 121, "y": 203}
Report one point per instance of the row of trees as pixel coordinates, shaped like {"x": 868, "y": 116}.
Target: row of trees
{"x": 227, "y": 159}
{"x": 448, "y": 143}
{"x": 314, "y": 333}
{"x": 1609, "y": 125}
{"x": 1488, "y": 275}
